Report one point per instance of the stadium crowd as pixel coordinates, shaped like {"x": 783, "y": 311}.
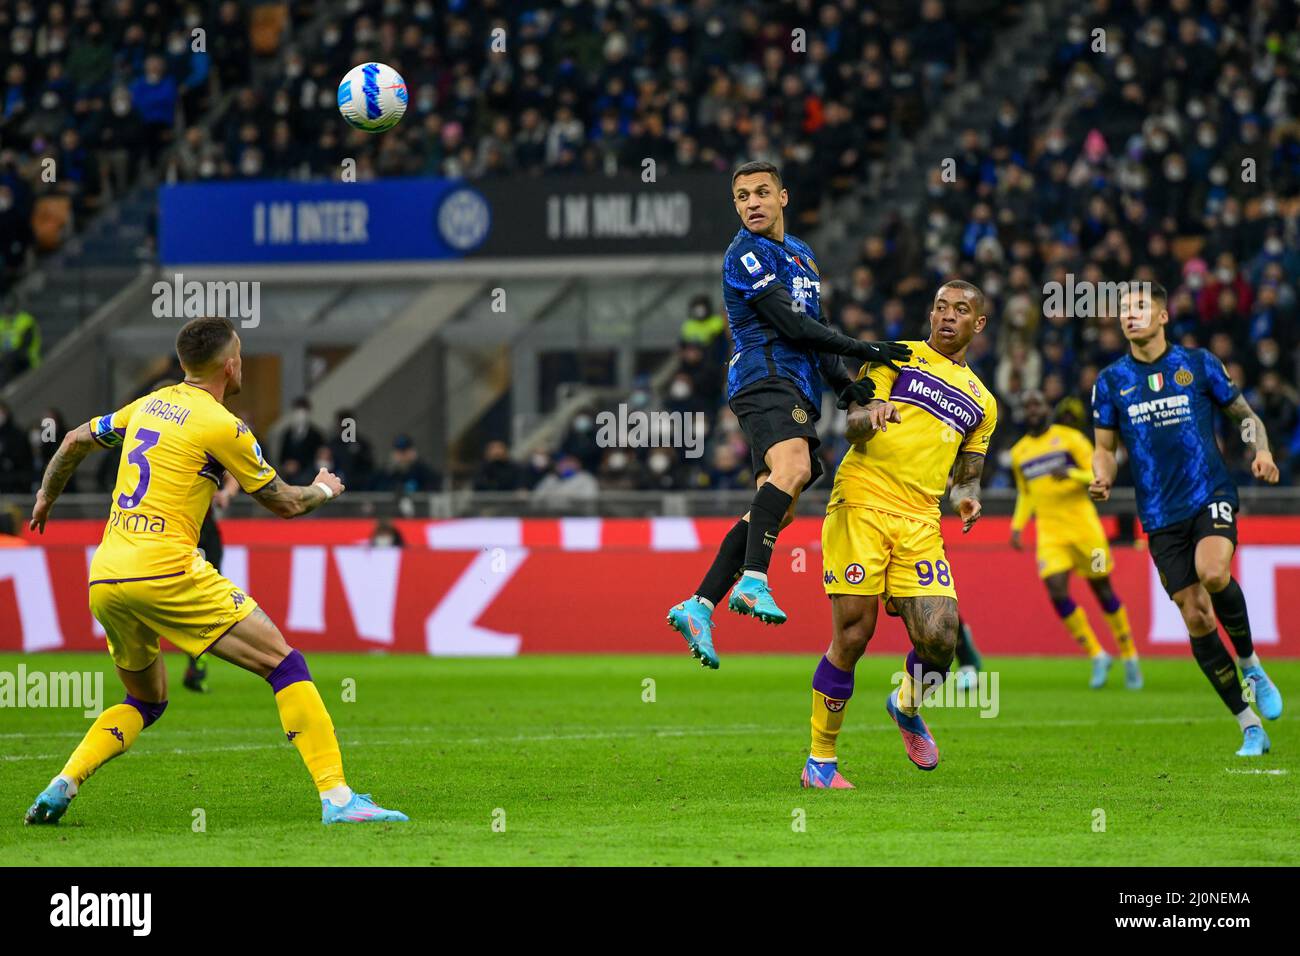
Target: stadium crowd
{"x": 1173, "y": 155}
{"x": 1175, "y": 160}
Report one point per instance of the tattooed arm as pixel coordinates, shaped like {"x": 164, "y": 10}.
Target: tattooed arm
{"x": 1253, "y": 436}
{"x": 290, "y": 501}
{"x": 965, "y": 493}
{"x": 865, "y": 420}
{"x": 76, "y": 445}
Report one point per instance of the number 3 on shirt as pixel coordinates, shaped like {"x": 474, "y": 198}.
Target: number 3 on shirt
{"x": 137, "y": 456}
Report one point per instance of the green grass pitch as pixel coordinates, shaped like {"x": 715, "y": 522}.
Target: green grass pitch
{"x": 567, "y": 754}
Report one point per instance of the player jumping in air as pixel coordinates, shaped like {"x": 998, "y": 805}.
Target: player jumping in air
{"x": 772, "y": 289}
{"x": 881, "y": 533}
{"x": 147, "y": 580}
{"x": 1160, "y": 398}
{"x": 1052, "y": 465}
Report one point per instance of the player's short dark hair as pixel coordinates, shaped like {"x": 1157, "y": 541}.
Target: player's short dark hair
{"x": 757, "y": 166}
{"x": 1160, "y": 294}
{"x": 201, "y": 340}
{"x": 968, "y": 287}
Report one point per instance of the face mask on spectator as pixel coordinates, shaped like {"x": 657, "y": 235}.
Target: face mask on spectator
{"x": 1125, "y": 71}
{"x": 680, "y": 391}
{"x": 177, "y": 46}
{"x": 1206, "y": 138}
{"x": 1195, "y": 281}
{"x": 530, "y": 60}
{"x": 207, "y": 169}
{"x": 1218, "y": 175}
{"x": 582, "y": 424}
{"x": 1241, "y": 104}
{"x": 330, "y": 38}
{"x": 1224, "y": 274}
{"x": 617, "y": 461}
{"x": 540, "y": 461}
{"x": 21, "y": 44}
{"x": 660, "y": 463}
{"x": 293, "y": 69}
{"x": 423, "y": 11}
{"x": 1195, "y": 109}
{"x": 1273, "y": 246}
{"x": 56, "y": 43}
{"x": 121, "y": 105}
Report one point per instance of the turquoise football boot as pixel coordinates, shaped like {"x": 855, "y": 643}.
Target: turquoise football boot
{"x": 360, "y": 809}
{"x": 753, "y": 597}
{"x": 694, "y": 621}
{"x": 1100, "y": 670}
{"x": 51, "y": 804}
{"x": 1254, "y": 742}
{"x": 1267, "y": 696}
{"x": 1132, "y": 674}
{"x": 823, "y": 775}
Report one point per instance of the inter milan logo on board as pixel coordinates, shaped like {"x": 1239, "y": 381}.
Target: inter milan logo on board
{"x": 854, "y": 573}
{"x": 1183, "y": 377}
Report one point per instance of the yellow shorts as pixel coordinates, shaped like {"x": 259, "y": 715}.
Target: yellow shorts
{"x": 192, "y": 609}
{"x": 1087, "y": 553}
{"x": 865, "y": 551}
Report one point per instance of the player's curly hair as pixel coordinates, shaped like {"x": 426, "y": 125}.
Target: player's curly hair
{"x": 201, "y": 340}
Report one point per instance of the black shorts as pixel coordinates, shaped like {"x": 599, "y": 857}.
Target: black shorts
{"x": 772, "y": 410}
{"x": 1173, "y": 547}
{"x": 210, "y": 540}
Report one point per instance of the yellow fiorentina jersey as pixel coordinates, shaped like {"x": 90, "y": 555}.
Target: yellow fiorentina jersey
{"x": 1061, "y": 505}
{"x": 903, "y": 470}
{"x": 177, "y": 443}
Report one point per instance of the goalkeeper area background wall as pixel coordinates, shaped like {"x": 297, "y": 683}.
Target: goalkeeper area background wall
{"x": 506, "y": 586}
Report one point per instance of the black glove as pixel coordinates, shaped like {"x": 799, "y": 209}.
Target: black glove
{"x": 883, "y": 353}
{"x": 859, "y": 392}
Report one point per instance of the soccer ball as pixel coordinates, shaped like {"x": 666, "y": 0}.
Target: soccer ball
{"x": 372, "y": 97}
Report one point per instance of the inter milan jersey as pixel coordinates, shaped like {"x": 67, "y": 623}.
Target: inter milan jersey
{"x": 1164, "y": 411}
{"x": 749, "y": 268}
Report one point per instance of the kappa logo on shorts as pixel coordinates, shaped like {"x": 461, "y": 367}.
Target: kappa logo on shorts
{"x": 834, "y": 706}
{"x": 854, "y": 573}
{"x": 238, "y": 597}
{"x": 799, "y": 415}
{"x": 828, "y": 577}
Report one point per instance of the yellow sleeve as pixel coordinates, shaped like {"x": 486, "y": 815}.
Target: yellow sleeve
{"x": 232, "y": 443}
{"x": 109, "y": 430}
{"x": 1024, "y": 503}
{"x": 882, "y": 376}
{"x": 1081, "y": 450}
{"x": 978, "y": 440}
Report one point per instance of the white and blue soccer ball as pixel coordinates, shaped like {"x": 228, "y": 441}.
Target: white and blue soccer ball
{"x": 372, "y": 97}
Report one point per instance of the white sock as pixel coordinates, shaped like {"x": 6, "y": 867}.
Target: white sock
{"x": 823, "y": 759}
{"x": 1248, "y": 718}
{"x": 1250, "y": 660}
{"x": 339, "y": 796}
{"x": 761, "y": 575}
{"x": 705, "y": 601}
{"x": 72, "y": 784}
